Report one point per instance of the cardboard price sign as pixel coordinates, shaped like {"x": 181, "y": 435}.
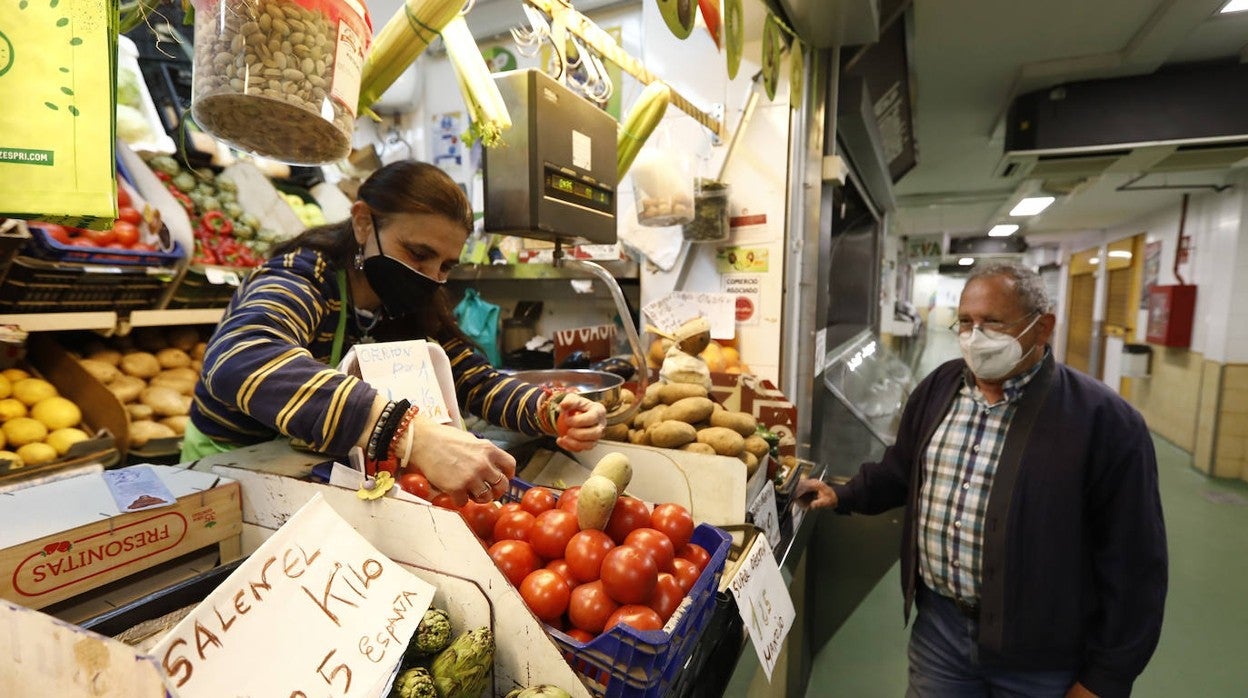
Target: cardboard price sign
{"x": 764, "y": 602}
{"x": 315, "y": 611}
{"x": 406, "y": 370}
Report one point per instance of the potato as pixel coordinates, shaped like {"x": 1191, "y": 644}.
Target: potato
{"x": 143, "y": 431}
{"x": 616, "y": 432}
{"x": 150, "y": 339}
{"x": 627, "y": 397}
{"x": 616, "y": 468}
{"x": 654, "y": 416}
{"x": 595, "y": 502}
{"x": 177, "y": 424}
{"x": 725, "y": 441}
{"x": 140, "y": 364}
{"x": 671, "y": 392}
{"x": 639, "y": 437}
{"x": 127, "y": 388}
{"x": 173, "y": 358}
{"x": 751, "y": 463}
{"x": 185, "y": 373}
{"x": 183, "y": 338}
{"x": 197, "y": 351}
{"x": 101, "y": 371}
{"x": 138, "y": 411}
{"x": 182, "y": 385}
{"x": 690, "y": 410}
{"x": 165, "y": 401}
{"x": 671, "y": 434}
{"x": 696, "y": 447}
{"x": 741, "y": 422}
{"x": 651, "y": 396}
{"x": 112, "y": 357}
{"x": 757, "y": 445}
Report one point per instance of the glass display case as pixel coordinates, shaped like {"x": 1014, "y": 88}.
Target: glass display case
{"x": 871, "y": 381}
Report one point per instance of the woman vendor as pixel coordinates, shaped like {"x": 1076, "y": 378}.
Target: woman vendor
{"x": 270, "y": 366}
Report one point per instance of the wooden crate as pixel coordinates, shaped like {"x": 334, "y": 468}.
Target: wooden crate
{"x": 65, "y": 538}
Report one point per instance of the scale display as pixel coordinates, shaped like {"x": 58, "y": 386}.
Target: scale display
{"x": 576, "y": 191}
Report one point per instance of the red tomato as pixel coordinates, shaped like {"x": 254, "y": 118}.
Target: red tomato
{"x": 673, "y": 521}
{"x": 537, "y": 500}
{"x": 561, "y": 423}
{"x": 580, "y": 635}
{"x": 629, "y": 574}
{"x": 129, "y": 215}
{"x": 143, "y": 246}
{"x": 585, "y": 553}
{"x": 546, "y": 594}
{"x": 590, "y": 606}
{"x": 126, "y": 233}
{"x": 629, "y": 513}
{"x": 57, "y": 232}
{"x": 414, "y": 482}
{"x": 513, "y": 525}
{"x": 667, "y": 596}
{"x": 686, "y": 573}
{"x": 481, "y": 518}
{"x": 82, "y": 242}
{"x": 696, "y": 554}
{"x": 639, "y": 617}
{"x": 567, "y": 502}
{"x": 511, "y": 506}
{"x": 516, "y": 559}
{"x": 655, "y": 544}
{"x": 551, "y": 532}
{"x": 561, "y": 567}
{"x": 123, "y": 197}
{"x": 100, "y": 238}
{"x": 444, "y": 501}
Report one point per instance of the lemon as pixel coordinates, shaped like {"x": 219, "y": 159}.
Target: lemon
{"x": 6, "y": 387}
{"x": 37, "y": 453}
{"x": 11, "y": 408}
{"x": 14, "y": 374}
{"x": 20, "y": 431}
{"x": 56, "y": 413}
{"x": 32, "y": 390}
{"x": 15, "y": 461}
{"x": 62, "y": 439}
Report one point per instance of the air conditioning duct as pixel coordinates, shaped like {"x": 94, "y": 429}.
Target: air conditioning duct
{"x": 1183, "y": 118}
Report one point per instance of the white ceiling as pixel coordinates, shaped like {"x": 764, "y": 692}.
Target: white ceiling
{"x": 971, "y": 57}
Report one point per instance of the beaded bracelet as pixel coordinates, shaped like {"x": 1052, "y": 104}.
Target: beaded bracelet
{"x": 548, "y": 411}
{"x": 404, "y": 422}
{"x": 383, "y": 431}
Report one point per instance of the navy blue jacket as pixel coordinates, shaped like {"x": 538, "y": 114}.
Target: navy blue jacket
{"x": 1075, "y": 568}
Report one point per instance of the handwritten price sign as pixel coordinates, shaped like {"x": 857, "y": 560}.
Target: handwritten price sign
{"x": 764, "y": 603}
{"x": 315, "y": 611}
{"x": 404, "y": 370}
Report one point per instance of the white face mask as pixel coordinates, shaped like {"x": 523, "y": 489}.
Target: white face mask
{"x": 991, "y": 354}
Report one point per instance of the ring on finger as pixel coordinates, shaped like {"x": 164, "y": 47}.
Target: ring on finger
{"x": 483, "y": 491}
{"x": 497, "y": 482}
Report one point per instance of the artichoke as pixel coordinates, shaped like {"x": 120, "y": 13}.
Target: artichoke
{"x": 166, "y": 164}
{"x": 432, "y": 635}
{"x": 543, "y": 691}
{"x": 414, "y": 683}
{"x": 462, "y": 670}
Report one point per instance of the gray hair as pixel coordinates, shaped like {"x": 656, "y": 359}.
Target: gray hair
{"x": 1027, "y": 283}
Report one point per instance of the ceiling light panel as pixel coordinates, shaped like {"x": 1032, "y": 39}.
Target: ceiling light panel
{"x": 1234, "y": 6}
{"x": 966, "y": 261}
{"x": 1034, "y": 204}
{"x": 1003, "y": 230}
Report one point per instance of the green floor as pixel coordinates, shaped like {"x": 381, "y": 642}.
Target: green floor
{"x": 1204, "y": 641}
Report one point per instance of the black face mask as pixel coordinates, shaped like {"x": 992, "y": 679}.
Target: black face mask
{"x": 402, "y": 289}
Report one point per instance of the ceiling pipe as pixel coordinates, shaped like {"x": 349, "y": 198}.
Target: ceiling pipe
{"x": 1180, "y": 251}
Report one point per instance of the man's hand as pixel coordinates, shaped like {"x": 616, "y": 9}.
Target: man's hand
{"x": 814, "y": 493}
{"x": 1078, "y": 691}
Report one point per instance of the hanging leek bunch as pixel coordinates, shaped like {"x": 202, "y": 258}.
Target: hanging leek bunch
{"x": 408, "y": 33}
{"x": 644, "y": 116}
{"x": 485, "y": 104}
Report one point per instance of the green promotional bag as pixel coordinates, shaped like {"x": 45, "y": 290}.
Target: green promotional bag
{"x": 58, "y": 71}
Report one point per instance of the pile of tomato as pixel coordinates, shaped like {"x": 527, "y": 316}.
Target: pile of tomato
{"x": 636, "y": 571}
{"x": 126, "y": 233}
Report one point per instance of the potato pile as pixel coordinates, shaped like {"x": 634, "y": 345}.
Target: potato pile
{"x": 153, "y": 373}
{"x": 682, "y": 416}
{"x": 37, "y": 424}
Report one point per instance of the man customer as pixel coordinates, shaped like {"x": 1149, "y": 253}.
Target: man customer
{"x": 1033, "y": 542}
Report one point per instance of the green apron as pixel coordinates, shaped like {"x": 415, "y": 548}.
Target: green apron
{"x": 196, "y": 444}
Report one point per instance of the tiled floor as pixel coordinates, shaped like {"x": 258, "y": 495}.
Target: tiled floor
{"x": 1204, "y": 643}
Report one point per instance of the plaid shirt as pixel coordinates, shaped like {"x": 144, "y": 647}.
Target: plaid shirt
{"x": 958, "y": 467}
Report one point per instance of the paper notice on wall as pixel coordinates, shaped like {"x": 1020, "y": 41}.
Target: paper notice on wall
{"x": 315, "y": 611}
{"x": 749, "y": 227}
{"x": 747, "y": 291}
{"x": 669, "y": 312}
{"x": 763, "y": 602}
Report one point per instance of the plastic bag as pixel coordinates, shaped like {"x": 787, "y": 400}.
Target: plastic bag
{"x": 479, "y": 320}
{"x": 57, "y": 75}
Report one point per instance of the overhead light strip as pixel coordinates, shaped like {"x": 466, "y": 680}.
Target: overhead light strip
{"x": 1034, "y": 204}
{"x": 1234, "y": 6}
{"x": 1002, "y": 230}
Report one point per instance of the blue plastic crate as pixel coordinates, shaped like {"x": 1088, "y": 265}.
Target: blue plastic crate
{"x": 624, "y": 661}
{"x": 44, "y": 246}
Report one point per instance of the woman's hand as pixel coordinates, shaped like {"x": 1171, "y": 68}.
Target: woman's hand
{"x": 456, "y": 462}
{"x": 581, "y": 422}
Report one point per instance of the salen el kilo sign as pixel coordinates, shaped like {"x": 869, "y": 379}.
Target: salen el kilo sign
{"x": 764, "y": 603}
{"x": 315, "y": 611}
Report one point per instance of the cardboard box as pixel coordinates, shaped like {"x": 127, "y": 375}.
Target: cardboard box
{"x": 760, "y": 397}
{"x": 68, "y": 537}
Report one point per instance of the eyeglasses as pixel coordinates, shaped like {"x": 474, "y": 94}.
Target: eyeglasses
{"x": 965, "y": 326}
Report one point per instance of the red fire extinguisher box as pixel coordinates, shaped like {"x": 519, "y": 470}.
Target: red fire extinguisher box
{"x": 1170, "y": 313}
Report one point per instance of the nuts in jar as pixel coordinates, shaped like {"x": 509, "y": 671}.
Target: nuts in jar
{"x": 280, "y": 78}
